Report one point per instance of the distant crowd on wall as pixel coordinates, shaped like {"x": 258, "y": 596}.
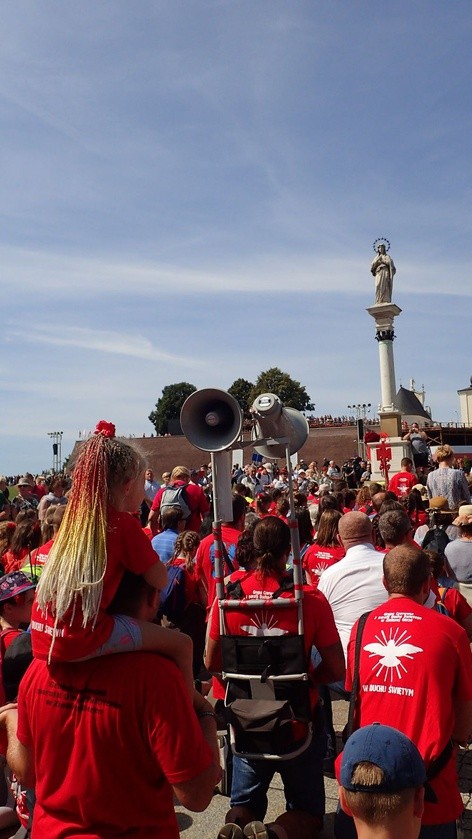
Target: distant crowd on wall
{"x": 328, "y": 420}
{"x": 399, "y": 553}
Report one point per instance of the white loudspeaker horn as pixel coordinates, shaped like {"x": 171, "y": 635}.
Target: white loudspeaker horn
{"x": 273, "y": 420}
{"x": 211, "y": 419}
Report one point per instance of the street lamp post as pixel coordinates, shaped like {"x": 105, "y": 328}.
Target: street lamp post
{"x": 56, "y": 437}
{"x": 361, "y": 409}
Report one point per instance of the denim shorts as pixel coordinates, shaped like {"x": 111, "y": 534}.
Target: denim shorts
{"x": 125, "y": 638}
{"x": 302, "y": 779}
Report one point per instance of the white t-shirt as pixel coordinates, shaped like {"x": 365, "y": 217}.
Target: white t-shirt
{"x": 353, "y": 586}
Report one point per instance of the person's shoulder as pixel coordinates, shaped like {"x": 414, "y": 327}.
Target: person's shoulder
{"x": 314, "y": 597}
{"x": 124, "y": 522}
{"x": 230, "y": 533}
{"x": 37, "y": 672}
{"x": 205, "y": 543}
{"x": 194, "y": 490}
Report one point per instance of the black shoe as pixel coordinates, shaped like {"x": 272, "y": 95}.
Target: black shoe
{"x": 328, "y": 767}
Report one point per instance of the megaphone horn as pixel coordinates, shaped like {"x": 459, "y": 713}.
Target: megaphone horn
{"x": 211, "y": 419}
{"x": 273, "y": 420}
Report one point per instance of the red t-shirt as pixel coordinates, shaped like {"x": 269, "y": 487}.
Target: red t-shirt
{"x": 455, "y": 603}
{"x": 127, "y": 548}
{"x": 320, "y": 557}
{"x": 191, "y": 582}
{"x": 34, "y": 564}
{"x": 414, "y": 664}
{"x": 419, "y": 517}
{"x": 319, "y": 629}
{"x": 402, "y": 483}
{"x": 205, "y": 559}
{"x": 13, "y": 562}
{"x": 109, "y": 737}
{"x": 196, "y": 499}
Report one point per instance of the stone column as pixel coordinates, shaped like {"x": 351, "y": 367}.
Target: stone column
{"x": 390, "y": 417}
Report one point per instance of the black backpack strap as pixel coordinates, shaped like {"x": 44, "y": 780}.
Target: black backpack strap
{"x": 234, "y": 590}
{"x": 226, "y": 558}
{"x": 356, "y": 680}
{"x": 285, "y": 585}
{"x": 434, "y": 768}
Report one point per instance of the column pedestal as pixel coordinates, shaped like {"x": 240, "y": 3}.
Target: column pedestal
{"x": 400, "y": 449}
{"x": 384, "y": 315}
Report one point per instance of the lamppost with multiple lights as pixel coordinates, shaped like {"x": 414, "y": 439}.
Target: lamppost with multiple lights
{"x": 361, "y": 409}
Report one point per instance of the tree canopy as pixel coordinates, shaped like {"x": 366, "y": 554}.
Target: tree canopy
{"x": 168, "y": 407}
{"x": 241, "y": 390}
{"x": 289, "y": 391}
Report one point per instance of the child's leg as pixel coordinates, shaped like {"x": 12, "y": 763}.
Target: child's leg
{"x": 173, "y": 644}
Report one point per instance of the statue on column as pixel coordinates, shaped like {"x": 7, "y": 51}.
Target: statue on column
{"x": 384, "y": 271}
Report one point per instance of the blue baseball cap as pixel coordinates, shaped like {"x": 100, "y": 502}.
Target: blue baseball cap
{"x": 390, "y": 750}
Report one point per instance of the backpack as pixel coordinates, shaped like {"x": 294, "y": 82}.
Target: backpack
{"x": 172, "y": 603}
{"x": 175, "y": 496}
{"x": 440, "y": 605}
{"x": 436, "y": 539}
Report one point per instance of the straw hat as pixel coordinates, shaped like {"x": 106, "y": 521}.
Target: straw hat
{"x": 439, "y": 504}
{"x": 422, "y": 490}
{"x": 465, "y": 516}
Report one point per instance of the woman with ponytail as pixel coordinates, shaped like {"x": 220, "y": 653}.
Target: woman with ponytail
{"x": 302, "y": 776}
{"x": 98, "y": 540}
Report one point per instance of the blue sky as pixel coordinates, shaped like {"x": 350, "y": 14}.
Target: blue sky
{"x": 190, "y": 191}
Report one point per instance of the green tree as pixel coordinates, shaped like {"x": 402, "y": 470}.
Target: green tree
{"x": 289, "y": 391}
{"x": 241, "y": 390}
{"x": 170, "y": 404}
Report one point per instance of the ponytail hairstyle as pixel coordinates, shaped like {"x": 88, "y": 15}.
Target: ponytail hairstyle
{"x": 186, "y": 542}
{"x": 271, "y": 542}
{"x": 328, "y": 526}
{"x": 47, "y": 528}
{"x": 77, "y": 561}
{"x": 7, "y": 529}
{"x": 27, "y": 535}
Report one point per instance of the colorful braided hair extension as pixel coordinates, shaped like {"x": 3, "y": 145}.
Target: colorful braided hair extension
{"x": 77, "y": 561}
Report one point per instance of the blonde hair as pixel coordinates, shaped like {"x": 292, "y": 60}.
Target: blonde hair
{"x": 180, "y": 473}
{"x": 444, "y": 452}
{"x": 375, "y": 807}
{"x": 77, "y": 561}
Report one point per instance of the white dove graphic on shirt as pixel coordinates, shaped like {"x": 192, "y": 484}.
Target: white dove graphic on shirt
{"x": 264, "y": 624}
{"x": 390, "y": 651}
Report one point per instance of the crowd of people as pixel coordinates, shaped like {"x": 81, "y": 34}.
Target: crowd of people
{"x": 111, "y": 643}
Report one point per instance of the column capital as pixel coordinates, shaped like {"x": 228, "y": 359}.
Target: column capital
{"x": 384, "y": 335}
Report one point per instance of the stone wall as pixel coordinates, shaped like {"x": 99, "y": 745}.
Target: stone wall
{"x": 163, "y": 453}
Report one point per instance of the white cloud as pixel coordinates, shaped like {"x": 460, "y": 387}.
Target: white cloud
{"x": 37, "y": 273}
{"x": 116, "y": 343}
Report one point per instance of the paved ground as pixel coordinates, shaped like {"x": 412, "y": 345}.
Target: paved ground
{"x": 206, "y": 825}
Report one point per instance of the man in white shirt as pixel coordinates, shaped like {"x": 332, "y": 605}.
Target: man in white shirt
{"x": 150, "y": 486}
{"x": 354, "y": 584}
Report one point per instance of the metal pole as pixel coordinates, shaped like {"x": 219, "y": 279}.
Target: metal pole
{"x": 295, "y": 539}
